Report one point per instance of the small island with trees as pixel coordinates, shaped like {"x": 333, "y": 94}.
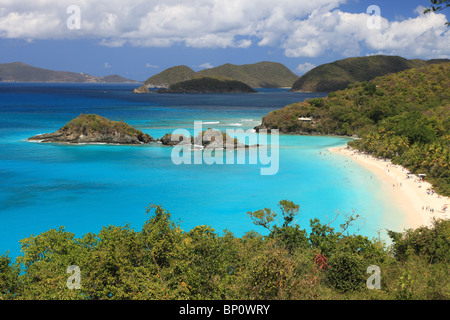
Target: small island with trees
{"x": 92, "y": 128}
{"x": 202, "y": 85}
{"x": 209, "y": 85}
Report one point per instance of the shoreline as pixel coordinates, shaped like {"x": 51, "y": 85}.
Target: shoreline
{"x": 410, "y": 194}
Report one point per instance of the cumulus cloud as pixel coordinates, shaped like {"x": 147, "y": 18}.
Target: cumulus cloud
{"x": 425, "y": 35}
{"x": 151, "y": 66}
{"x": 206, "y": 65}
{"x": 304, "y": 67}
{"x": 349, "y": 35}
{"x": 160, "y": 23}
{"x": 300, "y": 28}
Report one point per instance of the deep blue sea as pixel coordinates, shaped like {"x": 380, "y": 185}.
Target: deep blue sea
{"x": 85, "y": 187}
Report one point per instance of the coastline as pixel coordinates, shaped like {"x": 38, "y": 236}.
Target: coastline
{"x": 419, "y": 208}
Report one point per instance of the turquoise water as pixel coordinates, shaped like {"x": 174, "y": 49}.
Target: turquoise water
{"x": 85, "y": 187}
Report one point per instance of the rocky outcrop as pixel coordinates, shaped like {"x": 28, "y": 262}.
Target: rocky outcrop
{"x": 208, "y": 138}
{"x": 92, "y": 128}
{"x": 175, "y": 139}
{"x": 142, "y": 89}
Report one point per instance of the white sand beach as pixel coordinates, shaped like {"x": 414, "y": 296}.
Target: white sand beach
{"x": 412, "y": 195}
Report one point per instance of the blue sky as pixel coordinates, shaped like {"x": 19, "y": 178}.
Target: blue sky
{"x": 138, "y": 38}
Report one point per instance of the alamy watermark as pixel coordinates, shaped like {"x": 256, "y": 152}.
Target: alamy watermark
{"x": 214, "y": 147}
{"x": 74, "y": 281}
{"x": 73, "y": 22}
{"x": 374, "y": 281}
{"x": 374, "y": 21}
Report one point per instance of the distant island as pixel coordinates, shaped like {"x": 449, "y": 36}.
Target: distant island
{"x": 170, "y": 76}
{"x": 22, "y": 72}
{"x": 209, "y": 85}
{"x": 264, "y": 74}
{"x": 92, "y": 128}
{"x": 339, "y": 74}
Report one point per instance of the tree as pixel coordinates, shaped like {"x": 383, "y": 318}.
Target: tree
{"x": 289, "y": 210}
{"x": 8, "y": 278}
{"x": 430, "y": 243}
{"x": 263, "y": 217}
{"x": 45, "y": 260}
{"x": 202, "y": 263}
{"x": 347, "y": 271}
{"x": 438, "y": 5}
{"x": 116, "y": 268}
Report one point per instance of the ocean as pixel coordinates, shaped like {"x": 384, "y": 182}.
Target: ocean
{"x": 86, "y": 187}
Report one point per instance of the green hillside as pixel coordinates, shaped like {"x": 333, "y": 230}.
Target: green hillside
{"x": 209, "y": 85}
{"x": 403, "y": 116}
{"x": 170, "y": 76}
{"x": 339, "y": 74}
{"x": 114, "y": 78}
{"x": 258, "y": 75}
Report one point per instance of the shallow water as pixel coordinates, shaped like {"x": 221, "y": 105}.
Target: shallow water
{"x": 85, "y": 187}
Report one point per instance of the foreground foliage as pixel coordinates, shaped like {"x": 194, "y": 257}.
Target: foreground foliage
{"x": 164, "y": 262}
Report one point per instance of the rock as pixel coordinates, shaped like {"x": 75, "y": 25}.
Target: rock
{"x": 208, "y": 138}
{"x": 175, "y": 139}
{"x": 142, "y": 89}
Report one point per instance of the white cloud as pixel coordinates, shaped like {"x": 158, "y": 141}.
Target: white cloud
{"x": 304, "y": 67}
{"x": 347, "y": 34}
{"x": 106, "y": 65}
{"x": 419, "y": 10}
{"x": 161, "y": 23}
{"x": 206, "y": 65}
{"x": 300, "y": 28}
{"x": 151, "y": 66}
{"x": 113, "y": 43}
{"x": 425, "y": 35}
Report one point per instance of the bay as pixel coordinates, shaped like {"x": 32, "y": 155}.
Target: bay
{"x": 86, "y": 187}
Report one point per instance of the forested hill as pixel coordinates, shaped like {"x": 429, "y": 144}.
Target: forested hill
{"x": 264, "y": 74}
{"x": 403, "y": 116}
{"x": 22, "y": 72}
{"x": 339, "y": 74}
{"x": 170, "y": 76}
{"x": 209, "y": 85}
{"x": 257, "y": 75}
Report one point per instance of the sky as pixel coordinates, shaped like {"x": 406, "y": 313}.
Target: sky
{"x": 140, "y": 38}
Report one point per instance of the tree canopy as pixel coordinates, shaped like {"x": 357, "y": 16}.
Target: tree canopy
{"x": 162, "y": 261}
